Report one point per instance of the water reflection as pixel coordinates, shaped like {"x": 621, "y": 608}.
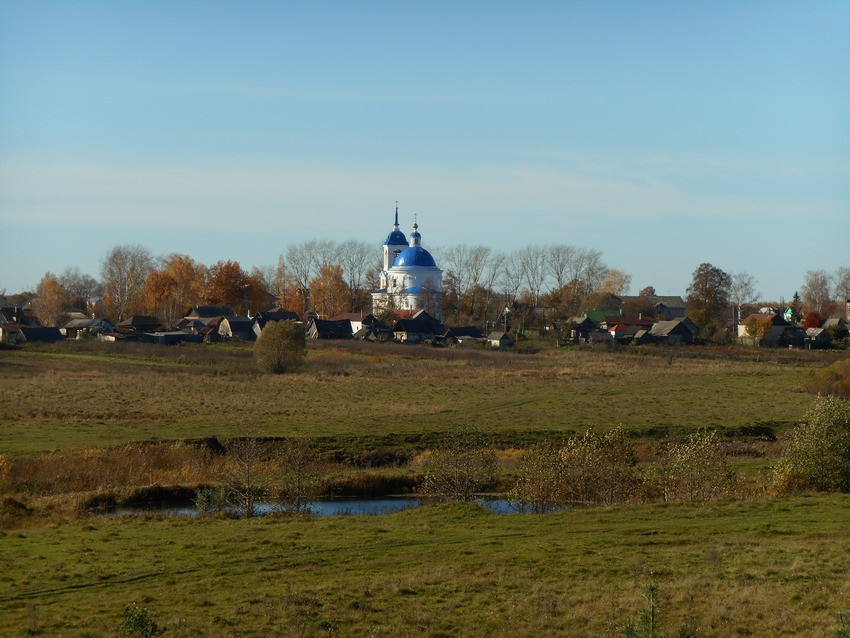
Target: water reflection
{"x": 329, "y": 507}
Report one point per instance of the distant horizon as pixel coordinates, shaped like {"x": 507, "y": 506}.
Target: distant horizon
{"x": 663, "y": 135}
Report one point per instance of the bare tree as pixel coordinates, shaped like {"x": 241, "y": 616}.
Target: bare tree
{"x": 512, "y": 276}
{"x": 244, "y": 481}
{"x": 587, "y": 269}
{"x": 742, "y": 292}
{"x": 815, "y": 293}
{"x": 356, "y": 259}
{"x": 533, "y": 260}
{"x": 841, "y": 285}
{"x": 301, "y": 475}
{"x": 124, "y": 270}
{"x": 83, "y": 290}
{"x": 493, "y": 269}
{"x": 465, "y": 267}
{"x": 559, "y": 262}
{"x": 300, "y": 259}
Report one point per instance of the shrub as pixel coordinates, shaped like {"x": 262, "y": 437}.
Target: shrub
{"x": 137, "y": 623}
{"x": 210, "y": 500}
{"x": 817, "y": 456}
{"x": 539, "y": 486}
{"x": 281, "y": 347}
{"x": 833, "y": 380}
{"x": 598, "y": 468}
{"x": 460, "y": 469}
{"x": 697, "y": 469}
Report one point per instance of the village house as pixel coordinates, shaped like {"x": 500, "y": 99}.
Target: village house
{"x": 327, "y": 329}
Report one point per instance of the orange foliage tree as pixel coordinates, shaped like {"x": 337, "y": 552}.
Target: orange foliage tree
{"x": 174, "y": 288}
{"x": 228, "y": 285}
{"x": 329, "y": 292}
{"x": 50, "y": 301}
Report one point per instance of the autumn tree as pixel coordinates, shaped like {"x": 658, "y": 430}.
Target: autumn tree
{"x": 124, "y": 270}
{"x": 258, "y": 295}
{"x": 603, "y": 300}
{"x": 812, "y": 320}
{"x": 757, "y": 327}
{"x": 227, "y": 285}
{"x": 708, "y": 299}
{"x": 815, "y": 295}
{"x": 641, "y": 306}
{"x": 173, "y": 288}
{"x": 616, "y": 282}
{"x": 50, "y": 300}
{"x": 328, "y": 291}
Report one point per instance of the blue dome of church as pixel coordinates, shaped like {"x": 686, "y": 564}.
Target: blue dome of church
{"x": 395, "y": 238}
{"x": 415, "y": 256}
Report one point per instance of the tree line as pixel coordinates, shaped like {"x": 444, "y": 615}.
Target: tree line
{"x": 328, "y": 277}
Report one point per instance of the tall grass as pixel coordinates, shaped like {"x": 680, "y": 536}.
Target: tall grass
{"x": 83, "y": 396}
{"x": 90, "y": 470}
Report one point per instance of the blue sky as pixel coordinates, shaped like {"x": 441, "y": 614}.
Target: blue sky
{"x": 663, "y": 134}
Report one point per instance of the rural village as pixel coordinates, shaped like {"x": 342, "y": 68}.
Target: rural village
{"x": 408, "y": 306}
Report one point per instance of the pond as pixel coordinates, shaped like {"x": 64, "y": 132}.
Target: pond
{"x": 326, "y": 507}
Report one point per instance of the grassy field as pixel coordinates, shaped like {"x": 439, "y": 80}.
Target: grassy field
{"x": 758, "y": 567}
{"x": 752, "y": 568}
{"x": 83, "y": 395}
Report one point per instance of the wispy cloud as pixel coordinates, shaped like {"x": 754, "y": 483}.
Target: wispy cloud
{"x": 316, "y": 95}
{"x": 183, "y": 195}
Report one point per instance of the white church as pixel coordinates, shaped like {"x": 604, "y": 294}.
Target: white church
{"x": 410, "y": 278}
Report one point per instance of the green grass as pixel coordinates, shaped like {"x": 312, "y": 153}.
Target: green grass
{"x": 754, "y": 568}
{"x": 74, "y": 396}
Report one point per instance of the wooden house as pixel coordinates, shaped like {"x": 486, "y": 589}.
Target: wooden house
{"x": 240, "y": 328}
{"x": 500, "y": 339}
{"x": 327, "y": 329}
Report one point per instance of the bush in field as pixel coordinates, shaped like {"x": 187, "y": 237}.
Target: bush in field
{"x": 210, "y": 500}
{"x": 598, "y": 468}
{"x": 301, "y": 476}
{"x": 817, "y": 456}
{"x": 137, "y": 623}
{"x": 697, "y": 469}
{"x": 539, "y": 484}
{"x": 281, "y": 347}
{"x": 461, "y": 468}
{"x": 833, "y": 380}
